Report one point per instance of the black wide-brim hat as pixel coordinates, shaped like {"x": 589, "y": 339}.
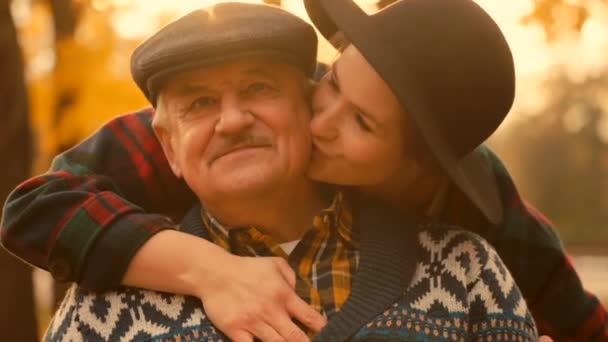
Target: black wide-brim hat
{"x": 452, "y": 70}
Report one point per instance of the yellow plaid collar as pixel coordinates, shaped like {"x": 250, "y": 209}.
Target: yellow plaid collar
{"x": 252, "y": 241}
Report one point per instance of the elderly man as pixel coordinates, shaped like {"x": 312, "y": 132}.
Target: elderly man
{"x": 231, "y": 103}
{"x": 246, "y": 167}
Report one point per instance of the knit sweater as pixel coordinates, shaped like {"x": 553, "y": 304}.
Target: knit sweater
{"x": 425, "y": 283}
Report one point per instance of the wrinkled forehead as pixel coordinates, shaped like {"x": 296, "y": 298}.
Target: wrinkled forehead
{"x": 269, "y": 67}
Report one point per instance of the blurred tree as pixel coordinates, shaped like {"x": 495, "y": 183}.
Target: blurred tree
{"x": 558, "y": 16}
{"x": 560, "y": 156}
{"x": 555, "y": 16}
{"x": 17, "y": 315}
{"x": 88, "y": 83}
{"x": 17, "y": 318}
{"x": 65, "y": 14}
{"x": 561, "y": 153}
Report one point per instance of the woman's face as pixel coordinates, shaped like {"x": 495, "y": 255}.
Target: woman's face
{"x": 358, "y": 126}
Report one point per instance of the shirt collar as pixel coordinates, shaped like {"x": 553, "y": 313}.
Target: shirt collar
{"x": 252, "y": 241}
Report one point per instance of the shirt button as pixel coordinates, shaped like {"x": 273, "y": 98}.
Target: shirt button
{"x": 60, "y": 269}
{"x": 243, "y": 238}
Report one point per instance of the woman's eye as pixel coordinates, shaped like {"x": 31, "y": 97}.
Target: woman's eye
{"x": 361, "y": 122}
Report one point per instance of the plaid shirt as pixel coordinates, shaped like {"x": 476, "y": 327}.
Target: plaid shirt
{"x": 76, "y": 222}
{"x": 331, "y": 244}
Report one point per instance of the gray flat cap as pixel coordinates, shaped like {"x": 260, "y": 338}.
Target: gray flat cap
{"x": 220, "y": 33}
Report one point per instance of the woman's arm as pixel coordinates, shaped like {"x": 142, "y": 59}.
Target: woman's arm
{"x": 532, "y": 251}
{"x": 92, "y": 207}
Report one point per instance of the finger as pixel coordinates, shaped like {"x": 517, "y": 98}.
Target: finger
{"x": 266, "y": 333}
{"x": 288, "y": 329}
{"x": 287, "y": 272}
{"x": 545, "y": 339}
{"x": 305, "y": 313}
{"x": 240, "y": 336}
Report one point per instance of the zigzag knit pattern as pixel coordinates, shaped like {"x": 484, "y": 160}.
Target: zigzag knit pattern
{"x": 461, "y": 291}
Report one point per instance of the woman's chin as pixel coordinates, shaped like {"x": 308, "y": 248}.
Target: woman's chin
{"x": 316, "y": 173}
{"x": 325, "y": 174}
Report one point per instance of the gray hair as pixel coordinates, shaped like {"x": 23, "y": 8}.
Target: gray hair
{"x": 160, "y": 118}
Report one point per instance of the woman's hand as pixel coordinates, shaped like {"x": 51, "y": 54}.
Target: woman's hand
{"x": 255, "y": 297}
{"x": 243, "y": 297}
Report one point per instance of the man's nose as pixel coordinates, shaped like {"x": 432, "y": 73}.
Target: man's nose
{"x": 326, "y": 119}
{"x": 233, "y": 119}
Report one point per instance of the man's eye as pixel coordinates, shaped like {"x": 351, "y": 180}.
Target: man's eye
{"x": 256, "y": 87}
{"x": 203, "y": 102}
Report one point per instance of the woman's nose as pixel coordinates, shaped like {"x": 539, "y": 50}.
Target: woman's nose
{"x": 325, "y": 121}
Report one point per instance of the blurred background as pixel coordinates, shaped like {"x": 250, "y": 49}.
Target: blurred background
{"x": 555, "y": 141}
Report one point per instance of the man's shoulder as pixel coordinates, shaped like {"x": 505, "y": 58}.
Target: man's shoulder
{"x": 449, "y": 237}
{"x": 137, "y": 313}
{"x": 142, "y": 115}
{"x": 466, "y": 266}
{"x": 462, "y": 251}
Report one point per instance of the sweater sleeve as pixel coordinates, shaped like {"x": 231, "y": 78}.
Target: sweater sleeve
{"x": 86, "y": 217}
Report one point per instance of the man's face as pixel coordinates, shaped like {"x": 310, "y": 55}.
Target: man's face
{"x": 237, "y": 129}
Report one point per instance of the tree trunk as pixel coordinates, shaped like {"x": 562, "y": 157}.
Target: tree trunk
{"x": 17, "y": 318}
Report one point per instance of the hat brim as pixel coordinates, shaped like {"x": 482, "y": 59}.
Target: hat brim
{"x": 471, "y": 173}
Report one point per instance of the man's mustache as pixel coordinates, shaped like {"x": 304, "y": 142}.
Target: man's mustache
{"x": 232, "y": 143}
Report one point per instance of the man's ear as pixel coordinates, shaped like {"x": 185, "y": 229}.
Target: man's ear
{"x": 167, "y": 143}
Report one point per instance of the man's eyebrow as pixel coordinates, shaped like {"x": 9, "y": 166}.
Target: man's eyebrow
{"x": 189, "y": 88}
{"x": 192, "y": 87}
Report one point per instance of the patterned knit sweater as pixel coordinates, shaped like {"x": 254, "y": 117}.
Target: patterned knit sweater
{"x": 460, "y": 291}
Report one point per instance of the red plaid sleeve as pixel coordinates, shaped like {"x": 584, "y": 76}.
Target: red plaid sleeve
{"x": 533, "y": 253}
{"x": 76, "y": 215}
